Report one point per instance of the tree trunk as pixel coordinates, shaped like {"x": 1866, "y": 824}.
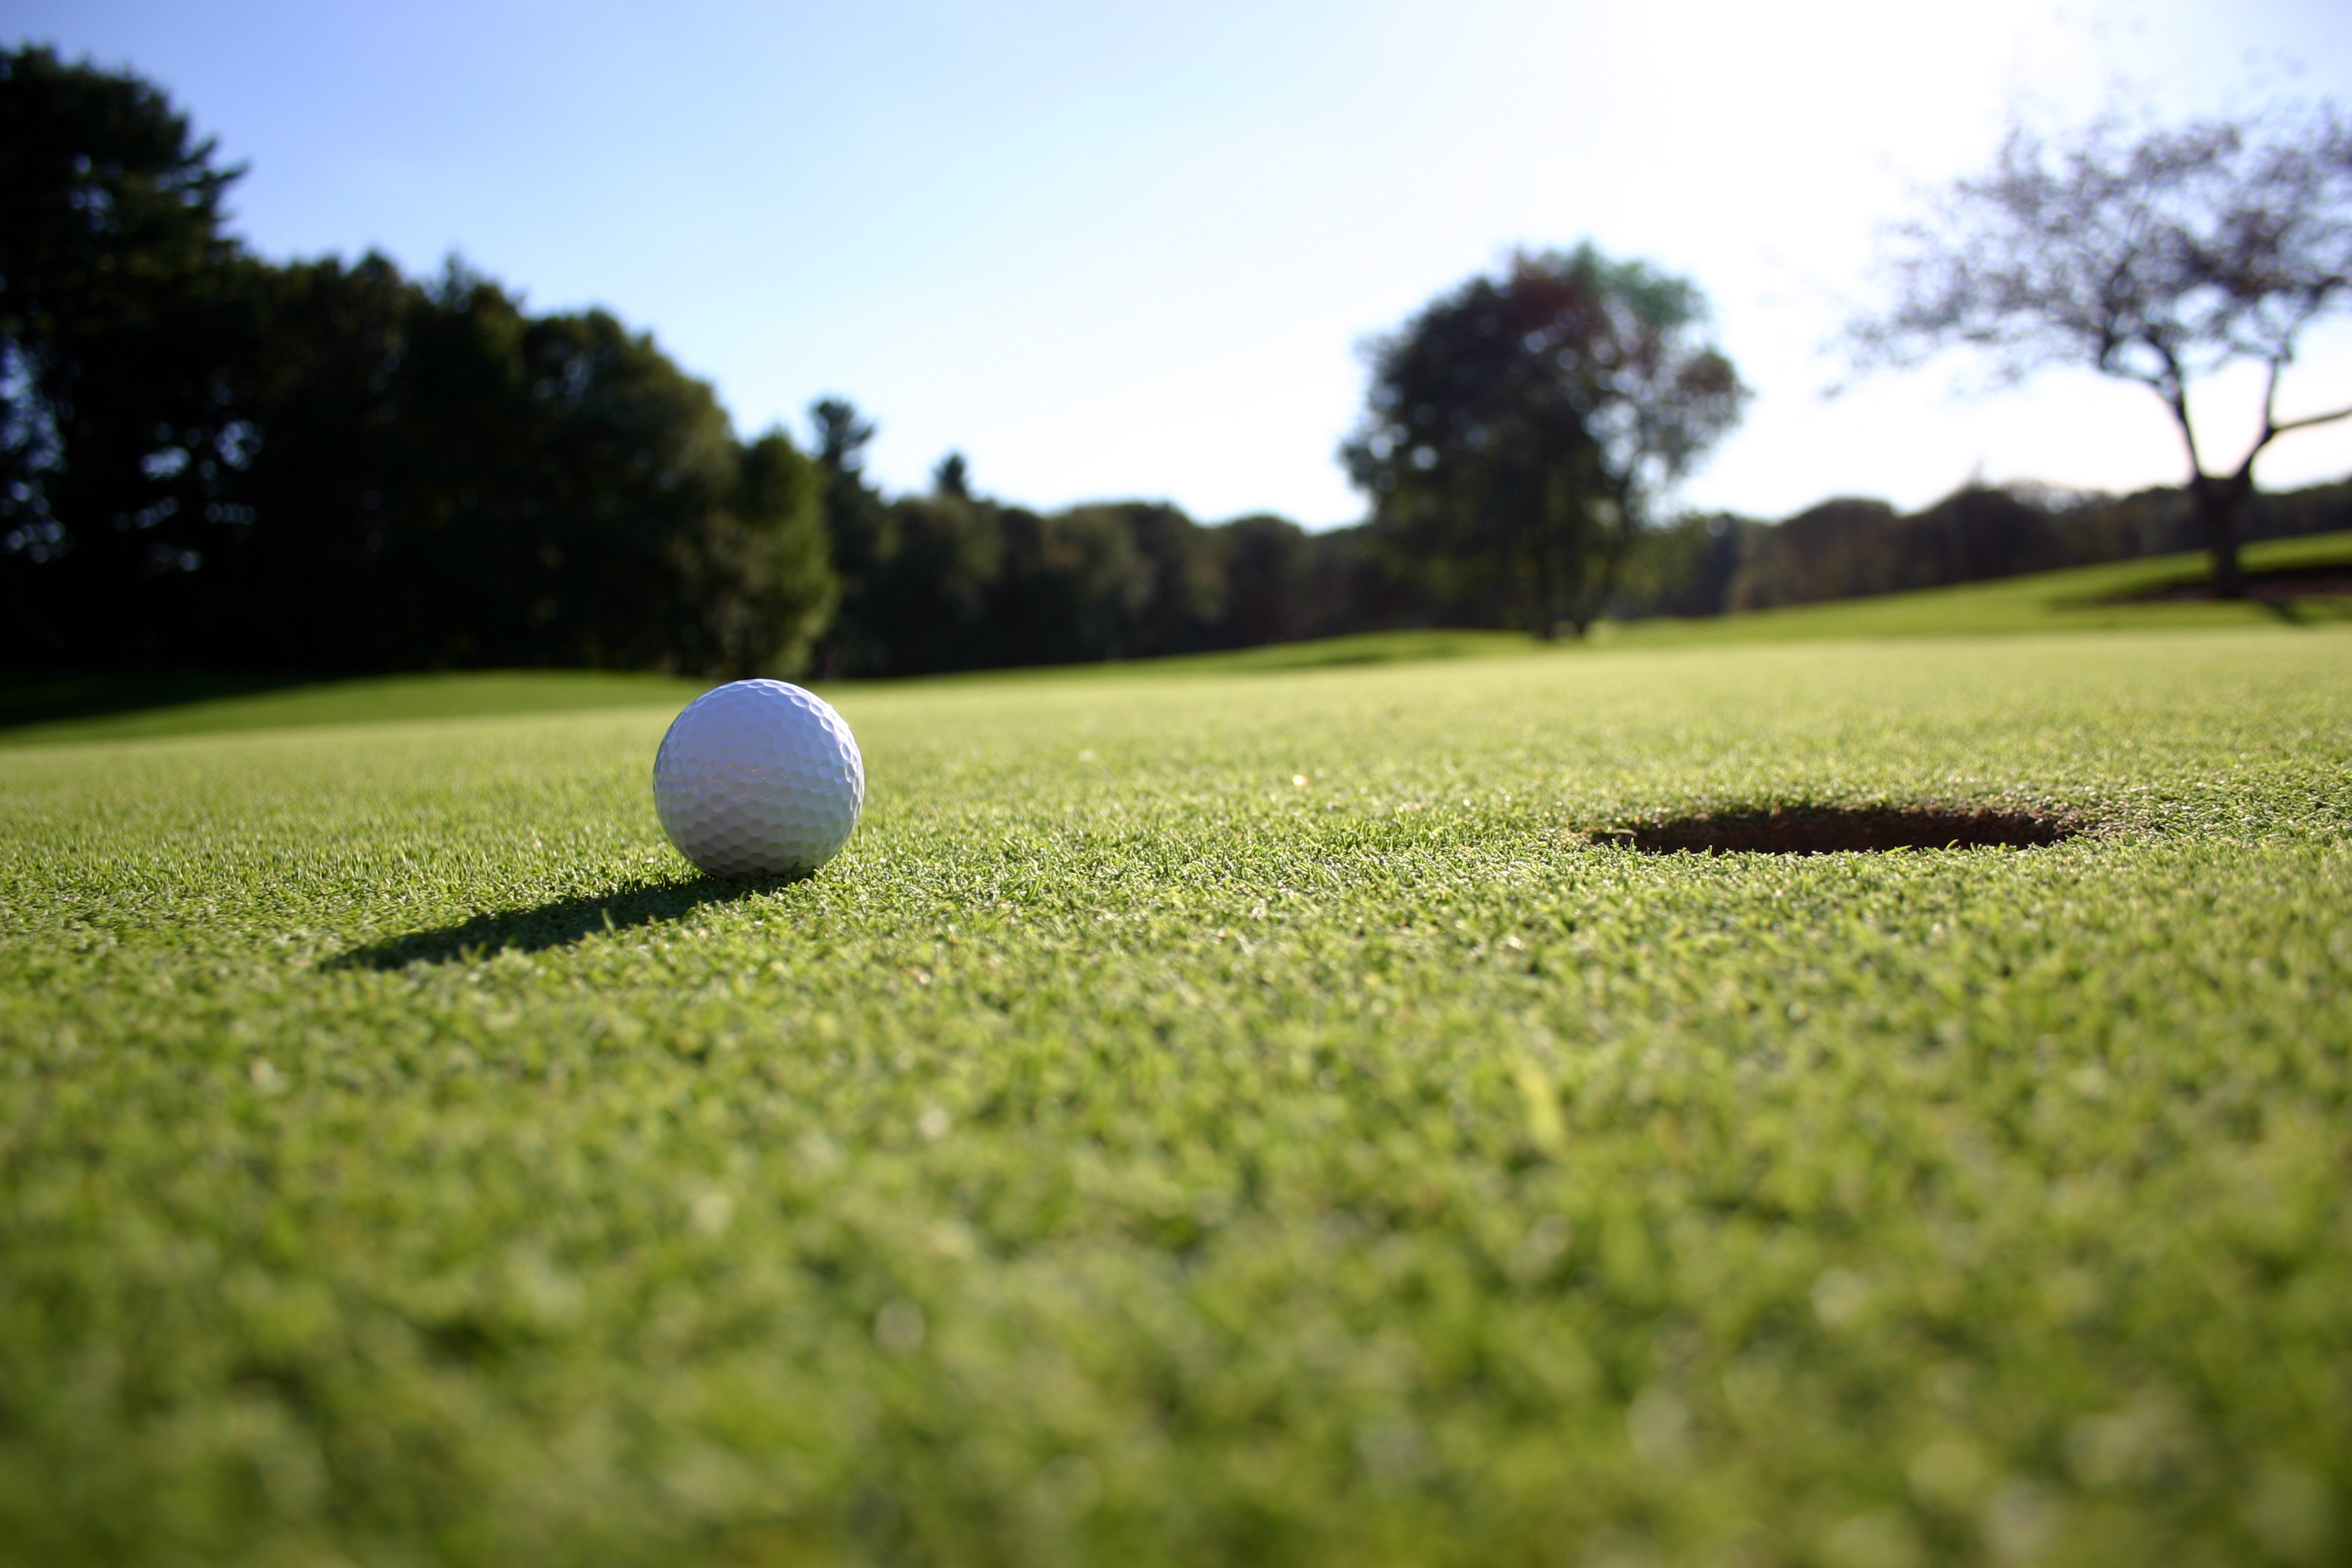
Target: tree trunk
{"x": 1593, "y": 587}
{"x": 2220, "y": 503}
{"x": 1546, "y": 592}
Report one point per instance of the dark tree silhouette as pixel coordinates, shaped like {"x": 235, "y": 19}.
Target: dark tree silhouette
{"x": 2156, "y": 260}
{"x": 841, "y": 434}
{"x": 208, "y": 458}
{"x": 952, "y": 477}
{"x": 1517, "y": 428}
{"x": 863, "y": 538}
{"x": 118, "y": 311}
{"x": 446, "y": 480}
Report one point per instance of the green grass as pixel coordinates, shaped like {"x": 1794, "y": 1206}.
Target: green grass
{"x": 1128, "y": 1154}
{"x": 152, "y": 707}
{"x": 2081, "y": 599}
{"x": 1362, "y": 647}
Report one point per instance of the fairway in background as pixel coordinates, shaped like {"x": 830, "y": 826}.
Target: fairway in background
{"x": 2081, "y": 598}
{"x": 2090, "y": 598}
{"x": 374, "y": 699}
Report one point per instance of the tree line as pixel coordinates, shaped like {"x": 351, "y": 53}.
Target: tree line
{"x": 1721, "y": 563}
{"x": 206, "y": 457}
{"x": 211, "y": 458}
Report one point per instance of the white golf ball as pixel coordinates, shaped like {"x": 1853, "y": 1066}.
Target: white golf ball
{"x": 758, "y": 778}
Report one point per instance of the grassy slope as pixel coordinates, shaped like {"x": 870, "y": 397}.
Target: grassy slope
{"x": 2057, "y": 600}
{"x": 2079, "y": 599}
{"x": 367, "y": 701}
{"x": 1126, "y": 1153}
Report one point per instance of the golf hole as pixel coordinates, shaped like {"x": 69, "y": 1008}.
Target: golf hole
{"x": 1841, "y": 830}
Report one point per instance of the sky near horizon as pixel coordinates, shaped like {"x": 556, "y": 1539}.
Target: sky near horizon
{"x": 1124, "y": 251}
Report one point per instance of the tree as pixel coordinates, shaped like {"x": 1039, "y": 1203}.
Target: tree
{"x": 952, "y": 477}
{"x": 2156, "y": 260}
{"x": 760, "y": 575}
{"x": 208, "y": 458}
{"x": 1074, "y": 587}
{"x": 1269, "y": 564}
{"x": 861, "y": 538}
{"x": 119, "y": 308}
{"x": 925, "y": 607}
{"x": 445, "y": 478}
{"x": 1517, "y": 428}
{"x": 841, "y": 434}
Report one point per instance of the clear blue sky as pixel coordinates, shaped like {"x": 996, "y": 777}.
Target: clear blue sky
{"x": 1113, "y": 250}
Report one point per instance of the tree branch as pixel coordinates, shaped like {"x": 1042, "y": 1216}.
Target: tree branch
{"x": 2314, "y": 420}
{"x": 2272, "y": 430}
{"x": 2174, "y": 390}
{"x": 2223, "y": 239}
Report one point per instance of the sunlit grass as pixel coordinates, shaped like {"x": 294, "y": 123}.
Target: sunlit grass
{"x": 1203, "y": 1118}
{"x": 2080, "y": 599}
{"x": 360, "y": 700}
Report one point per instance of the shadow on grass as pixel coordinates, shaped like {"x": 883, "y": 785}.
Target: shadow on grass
{"x": 2299, "y": 593}
{"x": 557, "y": 923}
{"x": 38, "y": 697}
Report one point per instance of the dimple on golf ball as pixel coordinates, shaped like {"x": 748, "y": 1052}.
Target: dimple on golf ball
{"x": 758, "y": 778}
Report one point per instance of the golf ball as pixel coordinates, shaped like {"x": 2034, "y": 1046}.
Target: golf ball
{"x": 758, "y": 778}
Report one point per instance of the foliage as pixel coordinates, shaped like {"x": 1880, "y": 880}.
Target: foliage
{"x": 861, "y": 540}
{"x": 1517, "y": 428}
{"x": 117, "y": 318}
{"x": 511, "y": 489}
{"x": 2156, "y": 259}
{"x": 951, "y": 478}
{"x": 2111, "y": 595}
{"x": 207, "y": 460}
{"x": 1126, "y": 1153}
{"x": 1850, "y": 548}
{"x": 955, "y": 580}
{"x": 211, "y": 459}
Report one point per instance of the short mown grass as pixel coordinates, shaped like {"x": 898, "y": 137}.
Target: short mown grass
{"x": 137, "y": 707}
{"x": 2078, "y": 599}
{"x": 1213, "y": 1118}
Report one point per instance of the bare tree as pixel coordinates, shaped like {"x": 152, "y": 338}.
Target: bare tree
{"x": 2158, "y": 260}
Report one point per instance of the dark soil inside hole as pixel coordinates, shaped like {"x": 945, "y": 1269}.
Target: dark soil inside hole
{"x": 2322, "y": 580}
{"x": 1832, "y": 830}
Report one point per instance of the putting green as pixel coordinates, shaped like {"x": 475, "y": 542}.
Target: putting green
{"x": 1210, "y": 1118}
